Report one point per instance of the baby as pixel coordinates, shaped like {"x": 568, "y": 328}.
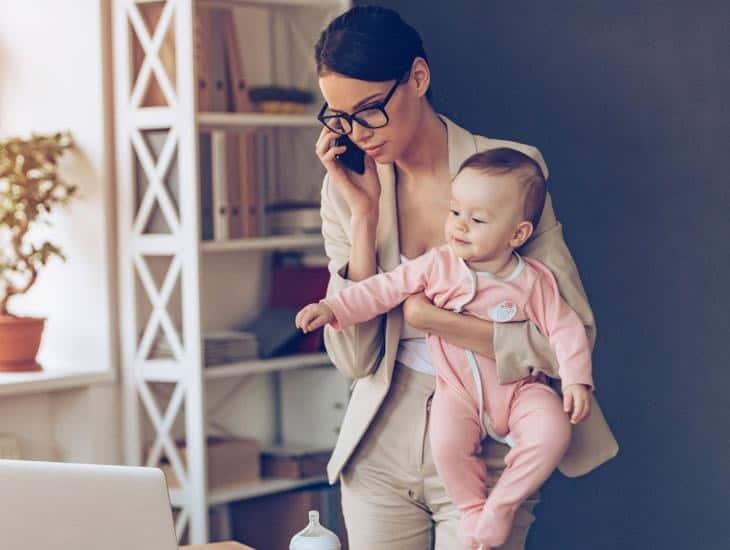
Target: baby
{"x": 496, "y": 200}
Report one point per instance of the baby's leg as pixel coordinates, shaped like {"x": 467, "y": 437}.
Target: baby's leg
{"x": 540, "y": 431}
{"x": 455, "y": 436}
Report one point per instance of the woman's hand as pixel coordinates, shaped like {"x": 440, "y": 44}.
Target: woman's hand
{"x": 577, "y": 398}
{"x": 361, "y": 192}
{"x": 314, "y": 316}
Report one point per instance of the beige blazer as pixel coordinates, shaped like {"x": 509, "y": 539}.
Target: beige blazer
{"x": 366, "y": 352}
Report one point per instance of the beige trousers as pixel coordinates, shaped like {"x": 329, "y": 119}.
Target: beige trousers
{"x": 392, "y": 497}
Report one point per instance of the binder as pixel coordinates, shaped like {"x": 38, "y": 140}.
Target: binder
{"x": 239, "y": 98}
{"x": 233, "y": 185}
{"x": 202, "y": 56}
{"x": 250, "y": 205}
{"x": 219, "y": 176}
{"x": 220, "y": 85}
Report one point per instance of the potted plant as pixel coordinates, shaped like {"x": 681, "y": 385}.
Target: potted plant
{"x": 30, "y": 188}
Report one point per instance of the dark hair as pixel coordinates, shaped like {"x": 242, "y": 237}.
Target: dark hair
{"x": 504, "y": 160}
{"x": 368, "y": 43}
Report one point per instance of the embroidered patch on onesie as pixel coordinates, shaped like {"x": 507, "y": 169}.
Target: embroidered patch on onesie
{"x": 504, "y": 312}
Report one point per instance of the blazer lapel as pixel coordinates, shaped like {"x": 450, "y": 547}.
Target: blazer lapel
{"x": 388, "y": 248}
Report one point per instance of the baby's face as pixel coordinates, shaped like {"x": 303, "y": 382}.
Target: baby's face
{"x": 484, "y": 214}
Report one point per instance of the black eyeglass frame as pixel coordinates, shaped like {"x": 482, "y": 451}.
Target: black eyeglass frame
{"x": 380, "y": 105}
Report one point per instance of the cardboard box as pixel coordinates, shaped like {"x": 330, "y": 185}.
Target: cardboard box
{"x": 294, "y": 462}
{"x": 230, "y": 462}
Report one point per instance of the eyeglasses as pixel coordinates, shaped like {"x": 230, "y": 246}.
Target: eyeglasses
{"x": 372, "y": 116}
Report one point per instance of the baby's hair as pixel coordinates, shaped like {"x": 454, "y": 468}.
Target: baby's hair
{"x": 505, "y": 160}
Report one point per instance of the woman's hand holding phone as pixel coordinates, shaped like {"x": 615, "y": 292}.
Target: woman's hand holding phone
{"x": 361, "y": 192}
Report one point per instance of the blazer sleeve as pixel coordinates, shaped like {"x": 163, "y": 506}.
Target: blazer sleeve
{"x": 521, "y": 346}
{"x": 357, "y": 350}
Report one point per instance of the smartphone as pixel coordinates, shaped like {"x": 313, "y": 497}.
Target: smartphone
{"x": 353, "y": 158}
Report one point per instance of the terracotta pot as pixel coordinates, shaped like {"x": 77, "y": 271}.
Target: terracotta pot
{"x": 20, "y": 338}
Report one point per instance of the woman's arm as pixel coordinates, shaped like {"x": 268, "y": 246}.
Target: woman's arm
{"x": 357, "y": 350}
{"x": 457, "y": 329}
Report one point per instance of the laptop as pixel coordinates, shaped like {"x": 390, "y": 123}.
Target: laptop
{"x": 57, "y": 506}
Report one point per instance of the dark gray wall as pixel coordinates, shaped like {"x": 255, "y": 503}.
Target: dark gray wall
{"x": 629, "y": 103}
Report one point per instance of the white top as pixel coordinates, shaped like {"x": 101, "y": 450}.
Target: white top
{"x": 412, "y": 348}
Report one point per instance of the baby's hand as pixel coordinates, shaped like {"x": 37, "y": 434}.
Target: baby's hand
{"x": 577, "y": 397}
{"x": 313, "y": 316}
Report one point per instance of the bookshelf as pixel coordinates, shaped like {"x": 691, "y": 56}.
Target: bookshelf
{"x": 160, "y": 126}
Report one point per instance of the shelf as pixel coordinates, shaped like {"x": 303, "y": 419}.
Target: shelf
{"x": 289, "y": 362}
{"x": 213, "y": 121}
{"x": 278, "y": 242}
{"x": 249, "y": 490}
{"x": 19, "y": 383}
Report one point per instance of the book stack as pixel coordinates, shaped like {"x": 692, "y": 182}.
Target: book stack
{"x": 219, "y": 347}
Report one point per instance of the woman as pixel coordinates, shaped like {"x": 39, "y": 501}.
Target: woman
{"x": 374, "y": 75}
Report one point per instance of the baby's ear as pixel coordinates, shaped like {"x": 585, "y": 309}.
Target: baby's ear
{"x": 522, "y": 233}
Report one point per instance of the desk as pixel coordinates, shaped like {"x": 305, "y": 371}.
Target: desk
{"x": 230, "y": 545}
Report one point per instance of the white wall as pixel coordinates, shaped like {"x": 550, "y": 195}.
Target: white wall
{"x": 77, "y": 425}
{"x": 51, "y": 79}
{"x": 54, "y": 75}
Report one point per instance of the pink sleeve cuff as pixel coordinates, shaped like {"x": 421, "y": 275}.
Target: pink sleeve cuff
{"x": 340, "y": 322}
{"x": 569, "y": 379}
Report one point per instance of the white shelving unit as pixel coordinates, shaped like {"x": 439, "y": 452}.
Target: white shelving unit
{"x": 66, "y": 378}
{"x": 182, "y": 246}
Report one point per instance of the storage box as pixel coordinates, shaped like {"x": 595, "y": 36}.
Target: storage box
{"x": 293, "y": 462}
{"x": 295, "y": 286}
{"x": 230, "y": 462}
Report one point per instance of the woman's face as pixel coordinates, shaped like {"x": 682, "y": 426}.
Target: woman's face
{"x": 347, "y": 95}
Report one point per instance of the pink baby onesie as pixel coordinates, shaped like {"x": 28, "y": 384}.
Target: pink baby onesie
{"x": 469, "y": 402}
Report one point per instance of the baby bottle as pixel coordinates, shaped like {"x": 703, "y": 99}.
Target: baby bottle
{"x": 314, "y": 536}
